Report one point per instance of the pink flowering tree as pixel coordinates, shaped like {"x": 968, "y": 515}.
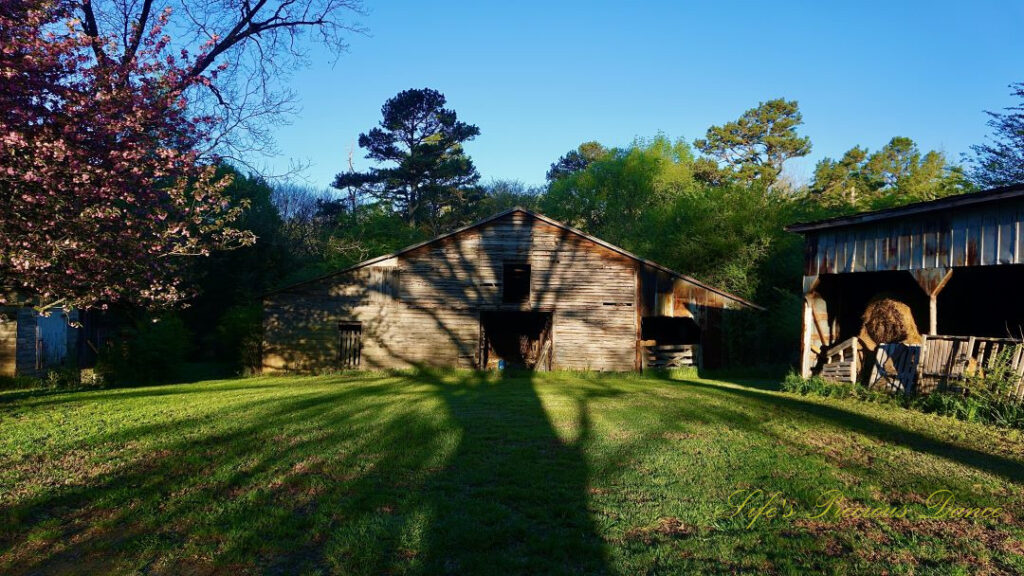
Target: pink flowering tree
{"x": 109, "y": 142}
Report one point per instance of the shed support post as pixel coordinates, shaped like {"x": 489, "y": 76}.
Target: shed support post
{"x": 932, "y": 281}
{"x": 809, "y": 337}
{"x": 933, "y": 314}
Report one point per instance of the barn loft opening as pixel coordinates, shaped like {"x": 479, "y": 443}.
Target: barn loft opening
{"x": 521, "y": 339}
{"x": 384, "y": 283}
{"x": 516, "y": 289}
{"x": 666, "y": 331}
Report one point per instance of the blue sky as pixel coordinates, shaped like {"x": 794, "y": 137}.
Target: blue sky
{"x": 538, "y": 78}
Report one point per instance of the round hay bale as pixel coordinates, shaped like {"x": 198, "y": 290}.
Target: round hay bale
{"x": 887, "y": 320}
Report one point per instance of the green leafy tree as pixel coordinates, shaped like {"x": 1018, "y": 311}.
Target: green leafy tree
{"x": 842, "y": 182}
{"x": 896, "y": 174}
{"x": 754, "y": 148}
{"x": 611, "y": 196}
{"x": 576, "y": 160}
{"x": 427, "y": 175}
{"x": 501, "y": 195}
{"x": 229, "y": 283}
{"x": 1000, "y": 161}
{"x": 721, "y": 234}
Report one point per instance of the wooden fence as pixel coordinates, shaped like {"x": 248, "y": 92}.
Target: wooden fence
{"x": 671, "y": 356}
{"x": 950, "y": 359}
{"x": 940, "y": 362}
{"x": 842, "y": 361}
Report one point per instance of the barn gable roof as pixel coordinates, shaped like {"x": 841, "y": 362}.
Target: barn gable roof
{"x": 542, "y": 218}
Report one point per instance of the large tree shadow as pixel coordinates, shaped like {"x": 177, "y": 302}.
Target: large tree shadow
{"x": 888, "y": 432}
{"x": 426, "y": 472}
{"x": 512, "y": 499}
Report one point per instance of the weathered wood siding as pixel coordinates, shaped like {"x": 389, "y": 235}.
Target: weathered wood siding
{"x": 429, "y": 313}
{"x": 30, "y": 345}
{"x": 8, "y": 342}
{"x": 664, "y": 294}
{"x": 26, "y": 353}
{"x": 987, "y": 235}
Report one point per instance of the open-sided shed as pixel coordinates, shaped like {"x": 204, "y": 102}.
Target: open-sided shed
{"x": 515, "y": 289}
{"x": 957, "y": 262}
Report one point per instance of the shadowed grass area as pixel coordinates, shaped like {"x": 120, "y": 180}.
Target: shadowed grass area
{"x": 465, "y": 473}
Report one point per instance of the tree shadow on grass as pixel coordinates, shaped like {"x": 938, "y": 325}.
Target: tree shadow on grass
{"x": 267, "y": 490}
{"x": 424, "y": 473}
{"x": 1007, "y": 468}
{"x": 513, "y": 497}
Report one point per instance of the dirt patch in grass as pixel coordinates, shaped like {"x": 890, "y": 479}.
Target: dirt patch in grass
{"x": 909, "y": 541}
{"x": 840, "y": 449}
{"x": 667, "y": 528}
{"x": 676, "y": 436}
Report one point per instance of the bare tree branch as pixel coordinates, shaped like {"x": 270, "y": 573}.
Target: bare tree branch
{"x": 139, "y": 28}
{"x": 243, "y": 50}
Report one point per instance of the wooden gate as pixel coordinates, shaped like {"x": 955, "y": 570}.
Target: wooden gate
{"x": 350, "y": 344}
{"x": 895, "y": 367}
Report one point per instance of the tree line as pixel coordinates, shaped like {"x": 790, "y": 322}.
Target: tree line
{"x": 714, "y": 209}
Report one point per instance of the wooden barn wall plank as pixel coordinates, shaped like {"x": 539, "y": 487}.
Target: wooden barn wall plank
{"x": 25, "y": 353}
{"x": 8, "y": 342}
{"x": 975, "y": 236}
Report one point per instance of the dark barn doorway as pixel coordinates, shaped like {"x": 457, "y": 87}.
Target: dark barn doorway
{"x": 667, "y": 330}
{"x": 522, "y": 339}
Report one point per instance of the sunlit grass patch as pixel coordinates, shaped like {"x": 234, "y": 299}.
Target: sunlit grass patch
{"x": 457, "y": 472}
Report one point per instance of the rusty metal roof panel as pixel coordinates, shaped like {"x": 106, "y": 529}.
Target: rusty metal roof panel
{"x": 989, "y": 234}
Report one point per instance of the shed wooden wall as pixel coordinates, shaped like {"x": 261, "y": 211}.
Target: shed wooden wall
{"x": 664, "y": 294}
{"x": 8, "y": 342}
{"x": 590, "y": 290}
{"x": 986, "y": 235}
{"x": 30, "y": 345}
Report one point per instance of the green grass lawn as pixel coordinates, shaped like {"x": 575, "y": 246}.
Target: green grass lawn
{"x": 467, "y": 474}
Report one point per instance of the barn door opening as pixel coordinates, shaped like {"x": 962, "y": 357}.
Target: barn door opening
{"x": 522, "y": 340}
{"x": 350, "y": 344}
{"x": 670, "y": 342}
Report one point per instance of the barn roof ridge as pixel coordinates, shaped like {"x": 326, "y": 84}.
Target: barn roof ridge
{"x": 957, "y": 201}
{"x": 532, "y": 214}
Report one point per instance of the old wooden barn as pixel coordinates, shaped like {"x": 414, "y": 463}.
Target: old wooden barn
{"x": 958, "y": 263}
{"x": 517, "y": 289}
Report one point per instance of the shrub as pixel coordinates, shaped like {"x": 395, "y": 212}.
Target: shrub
{"x": 18, "y": 382}
{"x": 151, "y": 350}
{"x": 62, "y": 379}
{"x": 977, "y": 402}
{"x": 999, "y": 411}
{"x": 818, "y": 386}
{"x": 238, "y": 337}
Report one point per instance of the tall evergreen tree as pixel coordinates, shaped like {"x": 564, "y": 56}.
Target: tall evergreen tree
{"x": 754, "y": 148}
{"x": 576, "y": 160}
{"x": 428, "y": 177}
